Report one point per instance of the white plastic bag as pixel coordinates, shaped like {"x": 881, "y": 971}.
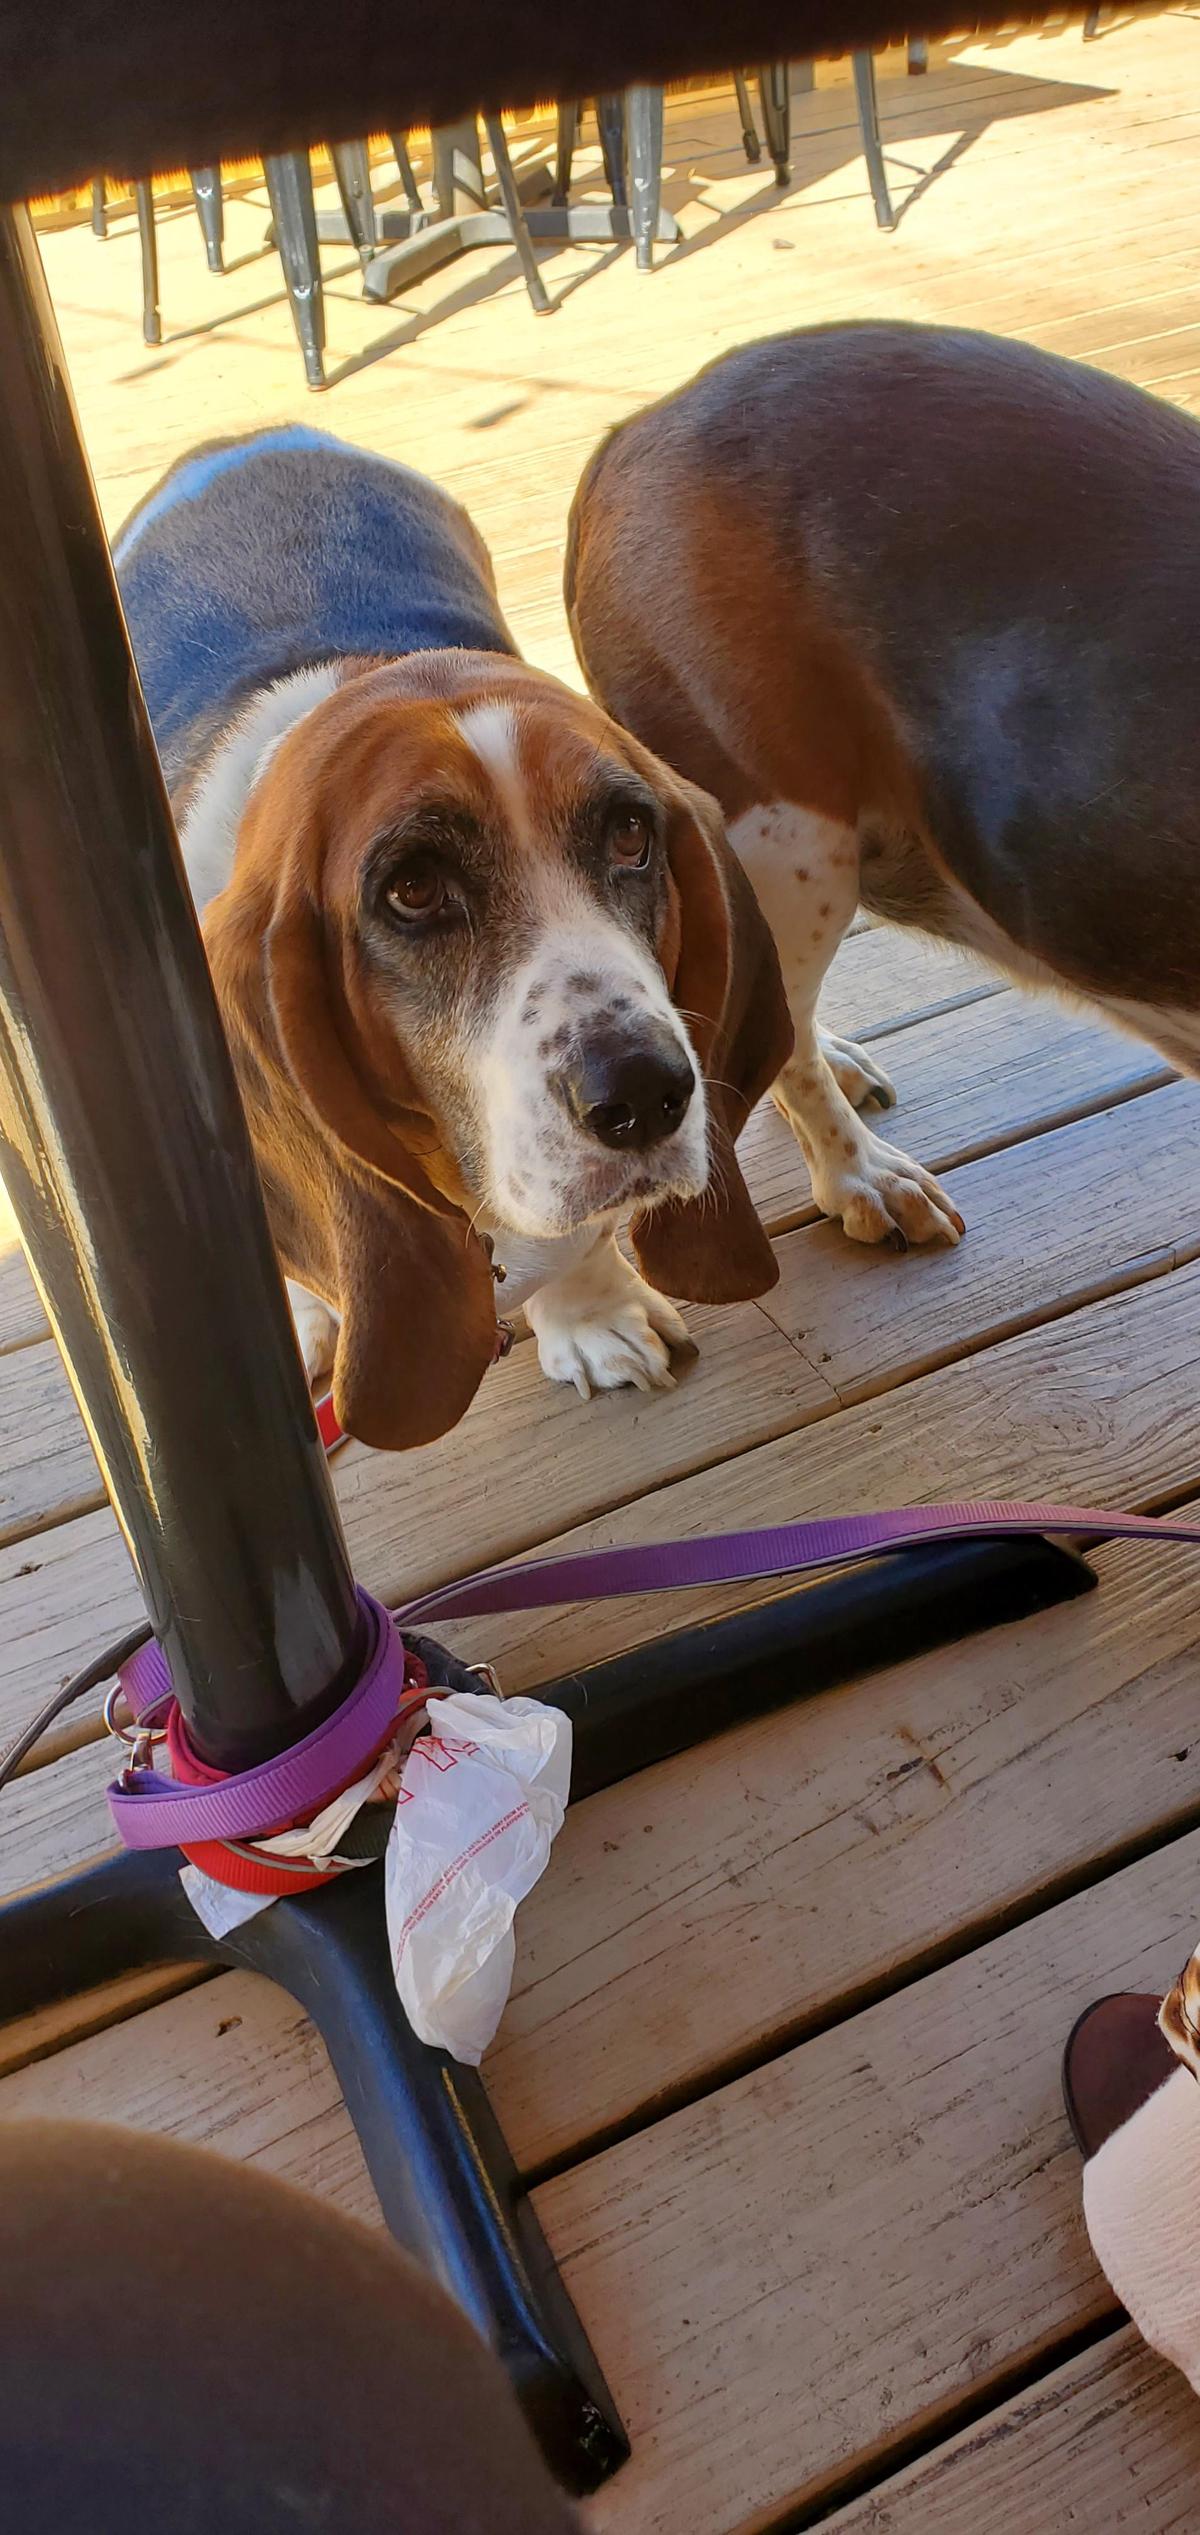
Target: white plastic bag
{"x": 481, "y": 1798}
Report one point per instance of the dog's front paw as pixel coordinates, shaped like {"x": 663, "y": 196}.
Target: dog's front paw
{"x": 316, "y": 1329}
{"x": 880, "y": 1195}
{"x": 601, "y": 1327}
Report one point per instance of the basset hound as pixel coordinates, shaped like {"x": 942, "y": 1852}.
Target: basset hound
{"x": 922, "y": 609}
{"x": 492, "y": 980}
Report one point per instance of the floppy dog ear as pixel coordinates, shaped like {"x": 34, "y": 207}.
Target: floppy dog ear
{"x": 354, "y": 1213}
{"x": 725, "y": 980}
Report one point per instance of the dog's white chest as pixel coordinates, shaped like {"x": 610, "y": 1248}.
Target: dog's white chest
{"x": 528, "y": 1264}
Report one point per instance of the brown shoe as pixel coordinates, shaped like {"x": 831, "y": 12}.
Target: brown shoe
{"x": 1115, "y": 2059}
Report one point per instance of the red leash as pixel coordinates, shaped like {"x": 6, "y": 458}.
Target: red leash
{"x": 330, "y": 1432}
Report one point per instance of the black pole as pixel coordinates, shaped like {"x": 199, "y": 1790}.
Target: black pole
{"x": 125, "y": 1148}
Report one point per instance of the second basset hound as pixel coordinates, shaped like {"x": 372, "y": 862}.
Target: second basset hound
{"x": 492, "y": 980}
{"x": 921, "y": 607}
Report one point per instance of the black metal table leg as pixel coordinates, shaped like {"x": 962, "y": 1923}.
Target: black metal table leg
{"x": 352, "y": 169}
{"x": 610, "y": 124}
{"x": 750, "y": 140}
{"x": 129, "y": 1166}
{"x": 644, "y": 131}
{"x": 294, "y": 222}
{"x": 411, "y": 246}
{"x": 868, "y": 116}
{"x": 147, "y": 235}
{"x": 404, "y": 168}
{"x": 539, "y": 296}
{"x": 127, "y": 1157}
{"x": 210, "y": 211}
{"x": 566, "y": 134}
{"x": 775, "y": 98}
{"x": 425, "y": 2126}
{"x": 458, "y": 183}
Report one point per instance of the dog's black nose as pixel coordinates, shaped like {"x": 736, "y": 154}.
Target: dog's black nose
{"x": 631, "y": 1098}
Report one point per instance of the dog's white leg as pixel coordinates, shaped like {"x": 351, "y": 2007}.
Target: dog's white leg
{"x": 316, "y": 1328}
{"x": 805, "y": 874}
{"x": 599, "y": 1325}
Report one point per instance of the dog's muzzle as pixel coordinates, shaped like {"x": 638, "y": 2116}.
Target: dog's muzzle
{"x": 631, "y": 1095}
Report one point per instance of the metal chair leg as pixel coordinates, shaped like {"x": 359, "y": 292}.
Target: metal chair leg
{"x": 99, "y": 212}
{"x": 644, "y": 127}
{"x": 210, "y": 211}
{"x": 412, "y": 191}
{"x": 565, "y": 138}
{"x": 151, "y": 318}
{"x": 1091, "y": 25}
{"x": 293, "y": 214}
{"x": 918, "y": 56}
{"x": 610, "y": 123}
{"x": 868, "y": 117}
{"x": 750, "y": 140}
{"x": 777, "y": 117}
{"x": 540, "y": 299}
{"x": 352, "y": 168}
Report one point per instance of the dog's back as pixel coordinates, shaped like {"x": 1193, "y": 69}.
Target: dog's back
{"x": 259, "y": 557}
{"x": 937, "y": 584}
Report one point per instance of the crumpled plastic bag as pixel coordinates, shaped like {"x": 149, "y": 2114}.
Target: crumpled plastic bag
{"x": 482, "y": 1796}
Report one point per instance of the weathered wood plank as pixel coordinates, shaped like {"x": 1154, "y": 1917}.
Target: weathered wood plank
{"x": 1102, "y": 1406}
{"x": 233, "y": 2065}
{"x": 1098, "y": 1404}
{"x": 1084, "y": 1210}
{"x": 48, "y": 1470}
{"x": 21, "y": 1314}
{"x": 970, "y": 1079}
{"x": 881, "y": 979}
{"x": 480, "y": 1493}
{"x": 1108, "y": 2443}
{"x": 791, "y": 2276}
{"x": 749, "y": 1890}
{"x": 1026, "y": 1256}
{"x": 787, "y": 2278}
{"x": 29, "y": 2039}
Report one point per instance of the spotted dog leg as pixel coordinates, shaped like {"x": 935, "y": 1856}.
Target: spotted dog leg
{"x": 805, "y": 873}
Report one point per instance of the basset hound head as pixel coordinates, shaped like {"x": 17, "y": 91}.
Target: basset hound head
{"x": 485, "y": 963}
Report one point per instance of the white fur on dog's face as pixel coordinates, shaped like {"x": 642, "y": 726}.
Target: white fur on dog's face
{"x": 545, "y": 1176}
{"x": 550, "y": 953}
{"x": 585, "y": 973}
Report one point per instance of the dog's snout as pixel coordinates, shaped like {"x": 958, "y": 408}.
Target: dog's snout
{"x": 631, "y": 1097}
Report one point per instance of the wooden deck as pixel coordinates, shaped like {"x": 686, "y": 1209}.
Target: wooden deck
{"x": 782, "y": 2057}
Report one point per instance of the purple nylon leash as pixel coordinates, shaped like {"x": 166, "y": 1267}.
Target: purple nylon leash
{"x": 151, "y": 1811}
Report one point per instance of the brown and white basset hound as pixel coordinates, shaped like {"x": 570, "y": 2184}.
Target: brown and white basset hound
{"x": 921, "y": 608}
{"x": 493, "y": 982}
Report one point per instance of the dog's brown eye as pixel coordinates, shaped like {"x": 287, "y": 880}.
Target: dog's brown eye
{"x": 418, "y": 890}
{"x": 630, "y": 840}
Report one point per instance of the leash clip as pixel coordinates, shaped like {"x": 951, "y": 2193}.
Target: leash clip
{"x": 490, "y": 1678}
{"x": 139, "y": 1739}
